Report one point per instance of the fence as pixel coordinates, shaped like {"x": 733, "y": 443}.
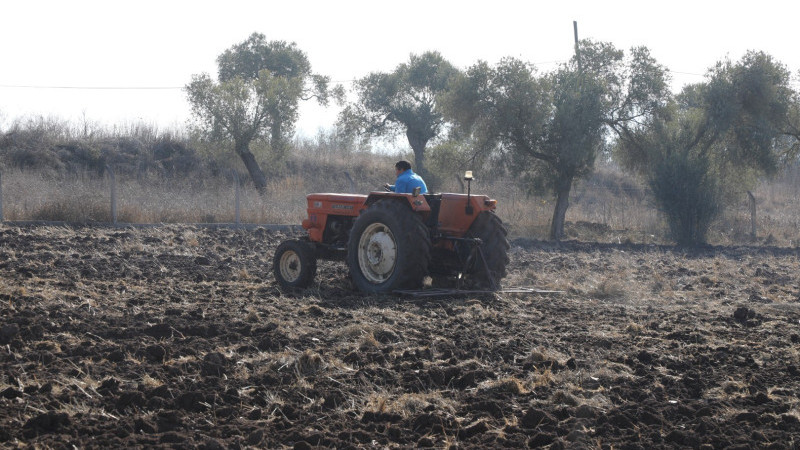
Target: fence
{"x": 113, "y": 210}
{"x": 598, "y": 209}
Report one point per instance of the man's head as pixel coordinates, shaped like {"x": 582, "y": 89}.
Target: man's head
{"x": 402, "y": 166}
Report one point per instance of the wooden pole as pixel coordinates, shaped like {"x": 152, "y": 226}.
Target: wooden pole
{"x": 113, "y": 194}
{"x": 352, "y": 183}
{"x": 238, "y": 202}
{"x": 1, "y": 196}
{"x": 577, "y": 47}
{"x": 752, "y": 214}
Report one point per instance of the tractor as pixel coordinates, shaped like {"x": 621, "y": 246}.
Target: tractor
{"x": 392, "y": 242}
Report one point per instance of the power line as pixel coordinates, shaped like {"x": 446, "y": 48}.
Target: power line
{"x": 558, "y": 61}
{"x": 118, "y": 88}
{"x": 687, "y": 73}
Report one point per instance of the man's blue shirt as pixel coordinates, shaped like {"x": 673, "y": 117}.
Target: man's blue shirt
{"x": 407, "y": 181}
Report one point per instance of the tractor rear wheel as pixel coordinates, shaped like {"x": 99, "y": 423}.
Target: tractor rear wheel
{"x": 389, "y": 248}
{"x": 494, "y": 236}
{"x": 294, "y": 264}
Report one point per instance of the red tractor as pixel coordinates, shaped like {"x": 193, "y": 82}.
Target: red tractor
{"x": 393, "y": 241}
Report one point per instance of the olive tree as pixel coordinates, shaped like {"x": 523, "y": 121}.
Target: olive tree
{"x": 713, "y": 141}
{"x": 553, "y": 126}
{"x": 256, "y": 96}
{"x": 403, "y": 101}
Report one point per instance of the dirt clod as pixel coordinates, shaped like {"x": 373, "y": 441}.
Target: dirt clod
{"x": 134, "y": 338}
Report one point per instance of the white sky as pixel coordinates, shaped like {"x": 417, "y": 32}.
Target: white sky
{"x": 59, "y": 47}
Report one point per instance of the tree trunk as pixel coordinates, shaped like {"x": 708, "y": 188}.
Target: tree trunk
{"x": 563, "y": 187}
{"x": 249, "y": 160}
{"x": 417, "y": 143}
{"x": 277, "y": 141}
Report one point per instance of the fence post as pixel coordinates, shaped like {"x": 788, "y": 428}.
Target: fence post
{"x": 1, "y": 197}
{"x": 113, "y": 194}
{"x": 752, "y": 214}
{"x": 352, "y": 183}
{"x": 238, "y": 204}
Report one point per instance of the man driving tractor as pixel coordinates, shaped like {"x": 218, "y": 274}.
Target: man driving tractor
{"x": 393, "y": 240}
{"x": 407, "y": 180}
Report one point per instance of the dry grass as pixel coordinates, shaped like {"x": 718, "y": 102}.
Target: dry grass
{"x": 608, "y": 207}
{"x": 408, "y": 404}
{"x": 309, "y": 363}
{"x": 508, "y": 385}
{"x": 610, "y": 288}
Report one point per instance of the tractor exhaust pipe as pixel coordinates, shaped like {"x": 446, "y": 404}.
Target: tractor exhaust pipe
{"x": 468, "y": 178}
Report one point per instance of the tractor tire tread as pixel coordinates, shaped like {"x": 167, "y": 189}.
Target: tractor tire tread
{"x": 413, "y": 241}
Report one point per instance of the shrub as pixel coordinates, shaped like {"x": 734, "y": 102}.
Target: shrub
{"x": 686, "y": 192}
{"x": 174, "y": 157}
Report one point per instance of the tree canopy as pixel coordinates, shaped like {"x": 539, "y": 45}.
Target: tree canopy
{"x": 552, "y": 127}
{"x": 712, "y": 140}
{"x": 256, "y": 96}
{"x": 403, "y": 101}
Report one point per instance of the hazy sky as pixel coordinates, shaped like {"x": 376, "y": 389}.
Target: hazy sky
{"x": 115, "y": 62}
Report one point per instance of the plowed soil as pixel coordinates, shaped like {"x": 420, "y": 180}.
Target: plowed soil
{"x": 179, "y": 337}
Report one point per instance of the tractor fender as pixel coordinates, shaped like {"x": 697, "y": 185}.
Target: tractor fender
{"x": 416, "y": 203}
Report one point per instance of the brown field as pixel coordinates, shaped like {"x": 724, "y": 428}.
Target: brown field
{"x": 177, "y": 336}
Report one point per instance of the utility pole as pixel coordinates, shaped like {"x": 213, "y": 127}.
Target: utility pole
{"x": 1, "y": 197}
{"x": 752, "y": 215}
{"x": 577, "y": 47}
{"x": 113, "y": 194}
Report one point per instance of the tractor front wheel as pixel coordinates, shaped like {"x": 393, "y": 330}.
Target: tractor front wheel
{"x": 389, "y": 248}
{"x": 294, "y": 264}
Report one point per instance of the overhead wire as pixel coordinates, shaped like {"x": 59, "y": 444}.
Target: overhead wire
{"x": 30, "y": 86}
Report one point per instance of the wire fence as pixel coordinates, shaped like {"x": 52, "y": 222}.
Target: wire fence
{"x": 599, "y": 208}
{"x": 113, "y": 212}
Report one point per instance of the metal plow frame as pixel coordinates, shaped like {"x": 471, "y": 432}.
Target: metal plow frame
{"x": 435, "y": 292}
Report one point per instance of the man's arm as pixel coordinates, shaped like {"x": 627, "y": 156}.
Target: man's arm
{"x": 401, "y": 185}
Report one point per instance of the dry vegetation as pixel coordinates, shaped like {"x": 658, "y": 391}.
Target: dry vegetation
{"x": 610, "y": 206}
